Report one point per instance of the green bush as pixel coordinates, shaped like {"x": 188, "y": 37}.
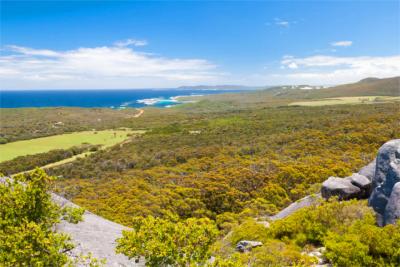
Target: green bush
{"x": 347, "y": 229}
{"x": 249, "y": 230}
{"x": 364, "y": 244}
{"x": 311, "y": 224}
{"x": 28, "y": 217}
{"x": 277, "y": 253}
{"x": 168, "y": 243}
{"x": 73, "y": 215}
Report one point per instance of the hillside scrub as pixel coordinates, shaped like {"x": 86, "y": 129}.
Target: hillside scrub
{"x": 258, "y": 160}
{"x": 231, "y": 166}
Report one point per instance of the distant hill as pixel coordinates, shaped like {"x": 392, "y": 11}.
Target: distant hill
{"x": 365, "y": 87}
{"x": 220, "y": 87}
{"x": 368, "y": 80}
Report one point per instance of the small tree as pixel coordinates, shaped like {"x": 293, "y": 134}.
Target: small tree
{"x": 27, "y": 222}
{"x": 168, "y": 243}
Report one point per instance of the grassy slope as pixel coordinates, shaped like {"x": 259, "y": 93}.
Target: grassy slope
{"x": 347, "y": 100}
{"x": 63, "y": 141}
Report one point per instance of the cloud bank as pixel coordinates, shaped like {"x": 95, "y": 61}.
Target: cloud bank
{"x": 334, "y": 70}
{"x": 121, "y": 66}
{"x": 117, "y": 66}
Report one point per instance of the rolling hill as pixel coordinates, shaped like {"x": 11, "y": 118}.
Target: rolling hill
{"x": 365, "y": 87}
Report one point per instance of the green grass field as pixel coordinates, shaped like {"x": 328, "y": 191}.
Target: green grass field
{"x": 347, "y": 100}
{"x": 63, "y": 141}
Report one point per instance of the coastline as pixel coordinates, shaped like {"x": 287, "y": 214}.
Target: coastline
{"x": 114, "y": 99}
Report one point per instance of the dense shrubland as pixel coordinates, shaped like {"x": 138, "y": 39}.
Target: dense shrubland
{"x": 253, "y": 161}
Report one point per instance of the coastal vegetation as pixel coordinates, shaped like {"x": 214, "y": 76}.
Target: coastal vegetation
{"x": 252, "y": 161}
{"x": 201, "y": 177}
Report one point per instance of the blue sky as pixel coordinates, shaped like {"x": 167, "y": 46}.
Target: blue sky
{"x": 134, "y": 44}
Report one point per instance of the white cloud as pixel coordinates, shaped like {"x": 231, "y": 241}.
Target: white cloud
{"x": 282, "y": 23}
{"x": 129, "y": 42}
{"x": 334, "y": 70}
{"x": 32, "y": 52}
{"x": 98, "y": 67}
{"x": 342, "y": 43}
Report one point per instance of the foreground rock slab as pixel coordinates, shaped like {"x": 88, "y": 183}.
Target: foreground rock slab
{"x": 96, "y": 235}
{"x": 295, "y": 206}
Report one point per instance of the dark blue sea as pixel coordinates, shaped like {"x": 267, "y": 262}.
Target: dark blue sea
{"x": 117, "y": 99}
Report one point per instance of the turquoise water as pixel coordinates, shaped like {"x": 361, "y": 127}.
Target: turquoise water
{"x": 117, "y": 99}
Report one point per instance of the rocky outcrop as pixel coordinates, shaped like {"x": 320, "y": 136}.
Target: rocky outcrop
{"x": 387, "y": 174}
{"x": 246, "y": 245}
{"x": 340, "y": 187}
{"x": 379, "y": 181}
{"x": 355, "y": 186}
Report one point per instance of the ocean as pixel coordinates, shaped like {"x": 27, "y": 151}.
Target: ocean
{"x": 116, "y": 99}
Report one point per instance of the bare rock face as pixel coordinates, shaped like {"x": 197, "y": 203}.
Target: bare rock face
{"x": 387, "y": 174}
{"x": 392, "y": 210}
{"x": 343, "y": 188}
{"x": 369, "y": 170}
